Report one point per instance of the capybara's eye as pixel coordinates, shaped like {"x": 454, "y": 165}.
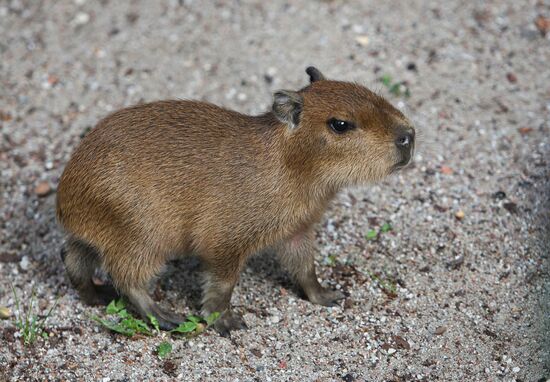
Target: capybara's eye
{"x": 339, "y": 126}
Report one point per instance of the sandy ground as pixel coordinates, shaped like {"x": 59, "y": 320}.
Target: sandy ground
{"x": 436, "y": 298}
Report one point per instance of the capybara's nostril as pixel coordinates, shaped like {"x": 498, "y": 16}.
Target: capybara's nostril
{"x": 405, "y": 140}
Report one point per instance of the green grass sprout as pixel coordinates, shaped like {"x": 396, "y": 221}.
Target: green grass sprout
{"x": 164, "y": 349}
{"x": 122, "y": 322}
{"x": 371, "y": 234}
{"x": 386, "y": 227}
{"x": 31, "y": 325}
{"x": 395, "y": 88}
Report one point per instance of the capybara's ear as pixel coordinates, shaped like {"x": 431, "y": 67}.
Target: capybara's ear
{"x": 314, "y": 74}
{"x": 287, "y": 107}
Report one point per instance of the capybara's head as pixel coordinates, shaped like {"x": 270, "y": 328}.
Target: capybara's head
{"x": 342, "y": 132}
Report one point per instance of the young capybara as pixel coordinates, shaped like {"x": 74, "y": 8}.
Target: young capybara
{"x": 165, "y": 179}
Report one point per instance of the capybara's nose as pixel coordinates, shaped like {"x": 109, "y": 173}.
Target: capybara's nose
{"x": 405, "y": 139}
{"x": 404, "y": 142}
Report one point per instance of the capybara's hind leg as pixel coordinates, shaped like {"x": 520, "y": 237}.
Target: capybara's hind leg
{"x": 132, "y": 278}
{"x": 81, "y": 261}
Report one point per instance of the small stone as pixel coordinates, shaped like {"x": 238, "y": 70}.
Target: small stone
{"x": 516, "y": 369}
{"x": 5, "y": 116}
{"x": 401, "y": 343}
{"x": 511, "y": 207}
{"x": 499, "y": 195}
{"x": 10, "y": 333}
{"x": 81, "y": 18}
{"x": 440, "y": 330}
{"x": 231, "y": 93}
{"x": 42, "y": 189}
{"x": 440, "y": 208}
{"x": 543, "y": 25}
{"x": 525, "y": 130}
{"x": 25, "y": 263}
{"x": 348, "y": 303}
{"x": 459, "y": 214}
{"x": 512, "y": 78}
{"x": 275, "y": 319}
{"x": 53, "y": 79}
{"x": 5, "y": 313}
{"x": 446, "y": 170}
{"x": 8, "y": 258}
{"x": 256, "y": 352}
{"x": 271, "y": 71}
{"x": 456, "y": 263}
{"x": 348, "y": 378}
{"x": 362, "y": 40}
{"x": 169, "y": 367}
{"x": 391, "y": 351}
{"x": 132, "y": 17}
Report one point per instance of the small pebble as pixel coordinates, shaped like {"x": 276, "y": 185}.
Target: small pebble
{"x": 42, "y": 189}
{"x": 81, "y": 18}
{"x": 525, "y": 130}
{"x": 512, "y": 78}
{"x": 446, "y": 170}
{"x": 543, "y": 25}
{"x": 4, "y": 313}
{"x": 24, "y": 263}
{"x": 499, "y": 195}
{"x": 362, "y": 40}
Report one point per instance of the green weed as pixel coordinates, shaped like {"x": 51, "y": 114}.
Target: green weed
{"x": 126, "y": 324}
{"x": 195, "y": 324}
{"x": 164, "y": 349}
{"x": 386, "y": 227}
{"x": 373, "y": 234}
{"x": 395, "y": 88}
{"x": 30, "y": 325}
{"x": 330, "y": 260}
{"x": 387, "y": 285}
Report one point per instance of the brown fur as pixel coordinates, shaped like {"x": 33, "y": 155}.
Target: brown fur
{"x": 169, "y": 178}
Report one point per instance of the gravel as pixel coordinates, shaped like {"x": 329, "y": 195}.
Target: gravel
{"x": 457, "y": 291}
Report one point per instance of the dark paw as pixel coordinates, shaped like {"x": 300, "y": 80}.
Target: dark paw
{"x": 166, "y": 319}
{"x": 327, "y": 297}
{"x": 228, "y": 322}
{"x": 92, "y": 297}
{"x": 105, "y": 294}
